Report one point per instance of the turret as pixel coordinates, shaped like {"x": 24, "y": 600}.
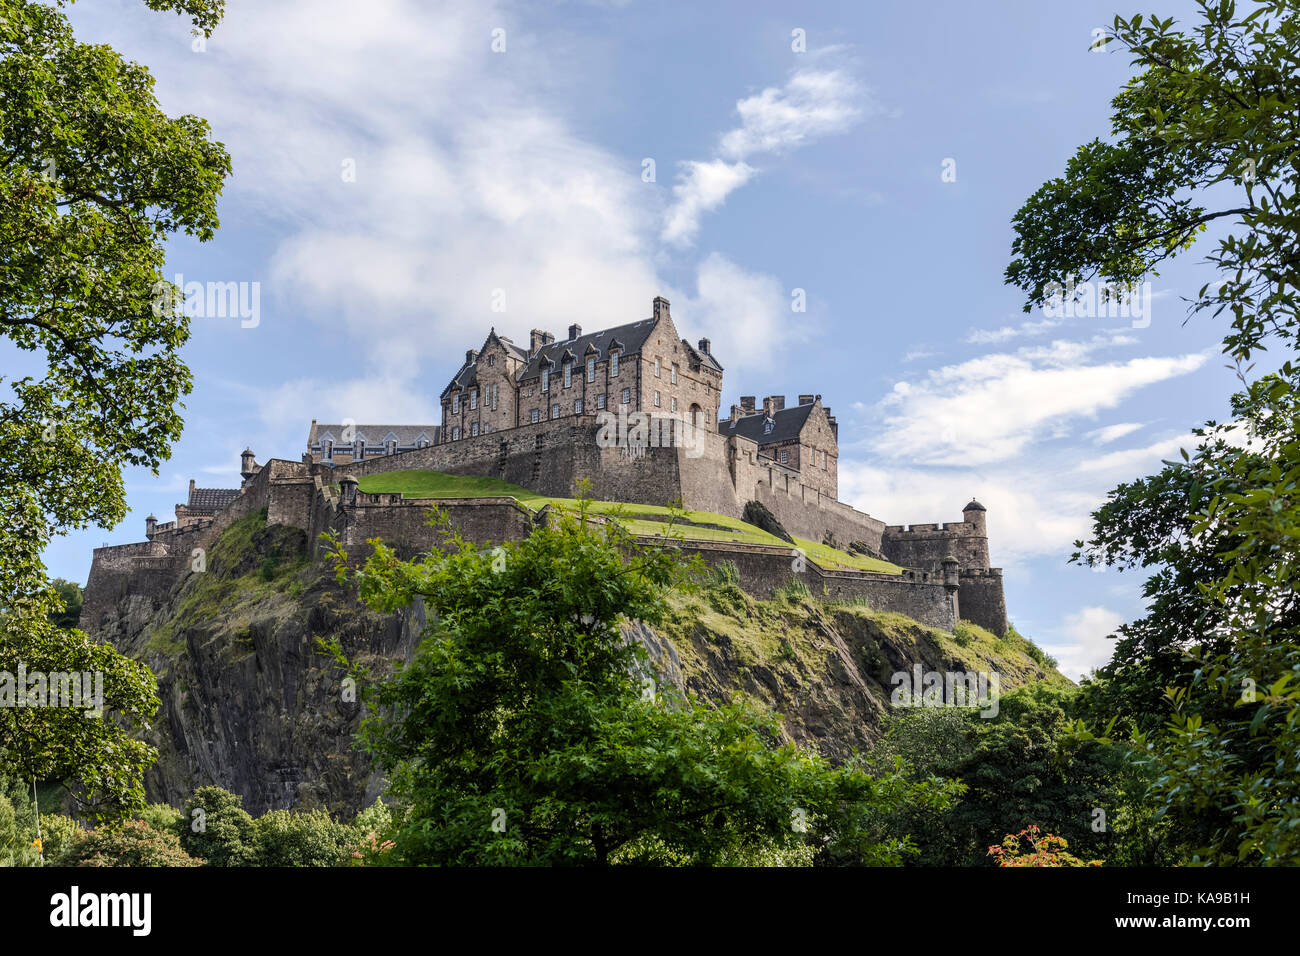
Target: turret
{"x": 348, "y": 489}
{"x": 150, "y": 526}
{"x": 973, "y": 514}
{"x": 247, "y": 464}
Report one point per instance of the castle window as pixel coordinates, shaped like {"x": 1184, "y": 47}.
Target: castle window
{"x": 600, "y": 400}
{"x": 390, "y": 447}
{"x": 473, "y": 400}
{"x": 546, "y": 380}
{"x": 591, "y": 368}
{"x": 455, "y": 434}
{"x": 536, "y": 416}
{"x": 613, "y": 364}
{"x": 455, "y": 404}
{"x": 568, "y": 374}
{"x": 327, "y": 449}
{"x": 767, "y": 426}
{"x": 577, "y": 407}
{"x": 674, "y": 403}
{"x": 492, "y": 360}
{"x": 674, "y": 375}
{"x": 473, "y": 429}
{"x": 657, "y": 367}
{"x": 657, "y": 403}
{"x": 627, "y": 395}
{"x": 555, "y": 411}
{"x": 785, "y": 457}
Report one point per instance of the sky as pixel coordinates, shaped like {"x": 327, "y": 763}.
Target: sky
{"x": 403, "y": 170}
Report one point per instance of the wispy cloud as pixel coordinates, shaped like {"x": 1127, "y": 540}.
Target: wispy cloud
{"x": 813, "y": 103}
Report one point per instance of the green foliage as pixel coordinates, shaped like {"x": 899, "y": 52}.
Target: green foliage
{"x": 795, "y": 590}
{"x": 1210, "y": 114}
{"x": 94, "y": 178}
{"x": 216, "y": 828}
{"x": 162, "y": 816}
{"x": 134, "y": 843}
{"x": 288, "y": 838}
{"x": 70, "y": 594}
{"x": 57, "y": 834}
{"x": 519, "y": 735}
{"x": 1022, "y": 768}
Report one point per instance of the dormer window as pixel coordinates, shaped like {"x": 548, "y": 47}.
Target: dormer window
{"x": 327, "y": 449}
{"x": 546, "y": 379}
{"x": 455, "y": 404}
{"x": 768, "y": 425}
{"x": 613, "y": 364}
{"x": 568, "y": 374}
{"x": 591, "y": 368}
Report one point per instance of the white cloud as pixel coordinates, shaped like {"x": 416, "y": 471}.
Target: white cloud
{"x": 701, "y": 188}
{"x": 1135, "y": 460}
{"x": 1008, "y": 332}
{"x": 1088, "y": 645}
{"x": 813, "y": 103}
{"x": 746, "y": 314}
{"x": 991, "y": 408}
{"x": 1110, "y": 433}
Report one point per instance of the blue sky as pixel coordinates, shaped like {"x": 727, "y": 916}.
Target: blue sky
{"x": 775, "y": 170}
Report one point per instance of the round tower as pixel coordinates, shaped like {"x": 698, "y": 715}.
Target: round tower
{"x": 247, "y": 464}
{"x": 150, "y": 524}
{"x": 976, "y": 548}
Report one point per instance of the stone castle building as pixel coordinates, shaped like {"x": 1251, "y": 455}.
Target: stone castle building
{"x": 538, "y": 418}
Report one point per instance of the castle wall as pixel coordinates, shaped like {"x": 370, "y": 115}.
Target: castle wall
{"x": 983, "y": 600}
{"x": 763, "y": 570}
{"x": 926, "y": 545}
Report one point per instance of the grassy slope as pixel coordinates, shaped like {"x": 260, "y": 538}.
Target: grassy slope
{"x": 639, "y": 519}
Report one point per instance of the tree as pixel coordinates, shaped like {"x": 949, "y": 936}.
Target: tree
{"x": 134, "y": 843}
{"x": 93, "y": 178}
{"x": 1211, "y": 116}
{"x": 527, "y": 730}
{"x": 217, "y": 828}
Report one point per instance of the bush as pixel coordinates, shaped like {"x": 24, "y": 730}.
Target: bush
{"x": 795, "y": 590}
{"x": 161, "y": 816}
{"x": 284, "y": 838}
{"x": 57, "y": 834}
{"x": 135, "y": 843}
{"x": 962, "y": 634}
{"x": 216, "y": 828}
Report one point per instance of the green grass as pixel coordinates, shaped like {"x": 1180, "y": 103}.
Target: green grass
{"x": 646, "y": 520}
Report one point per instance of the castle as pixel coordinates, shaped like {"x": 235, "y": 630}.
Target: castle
{"x": 542, "y": 418}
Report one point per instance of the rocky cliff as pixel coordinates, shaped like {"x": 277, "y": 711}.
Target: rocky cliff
{"x": 252, "y": 704}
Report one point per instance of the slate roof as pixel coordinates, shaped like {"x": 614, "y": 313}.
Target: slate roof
{"x": 704, "y": 358}
{"x": 974, "y": 506}
{"x": 629, "y": 337}
{"x": 786, "y": 425}
{"x": 406, "y": 435}
{"x": 211, "y": 499}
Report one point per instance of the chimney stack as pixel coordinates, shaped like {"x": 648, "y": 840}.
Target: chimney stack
{"x": 704, "y": 346}
{"x": 470, "y": 355}
{"x": 661, "y": 308}
{"x": 805, "y": 399}
{"x": 191, "y": 489}
{"x": 747, "y": 403}
{"x": 735, "y": 413}
{"x": 537, "y": 338}
{"x": 778, "y": 402}
{"x": 767, "y": 407}
{"x": 574, "y": 331}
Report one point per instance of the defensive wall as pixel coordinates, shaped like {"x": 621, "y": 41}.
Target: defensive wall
{"x": 310, "y": 496}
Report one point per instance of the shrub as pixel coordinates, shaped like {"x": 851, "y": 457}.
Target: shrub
{"x": 216, "y": 828}
{"x": 962, "y": 634}
{"x": 57, "y": 834}
{"x": 161, "y": 816}
{"x": 135, "y": 843}
{"x": 795, "y": 590}
{"x": 285, "y": 838}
